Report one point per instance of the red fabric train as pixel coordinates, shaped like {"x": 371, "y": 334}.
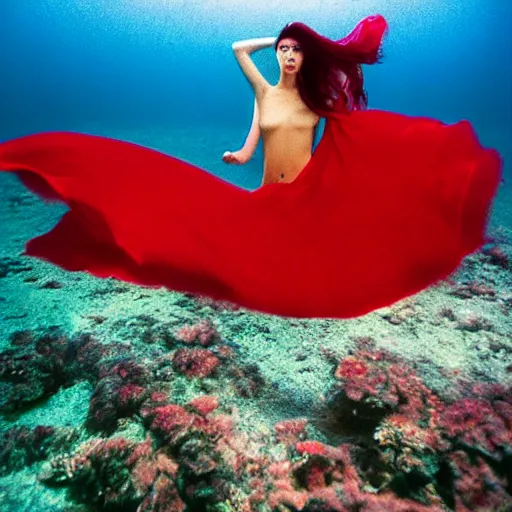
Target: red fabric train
{"x": 387, "y": 206}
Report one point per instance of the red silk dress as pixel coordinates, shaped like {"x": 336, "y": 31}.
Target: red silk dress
{"x": 387, "y": 206}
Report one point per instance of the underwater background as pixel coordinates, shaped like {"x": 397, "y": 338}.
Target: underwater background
{"x": 148, "y": 65}
{"x": 118, "y": 397}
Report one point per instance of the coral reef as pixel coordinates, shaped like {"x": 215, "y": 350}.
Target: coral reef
{"x": 161, "y": 434}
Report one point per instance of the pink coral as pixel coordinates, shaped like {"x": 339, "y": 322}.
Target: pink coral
{"x": 477, "y": 423}
{"x": 173, "y": 421}
{"x": 204, "y": 405}
{"x": 384, "y": 381}
{"x": 195, "y": 362}
{"x": 203, "y": 333}
{"x": 290, "y": 431}
{"x": 477, "y": 486}
{"x": 131, "y": 394}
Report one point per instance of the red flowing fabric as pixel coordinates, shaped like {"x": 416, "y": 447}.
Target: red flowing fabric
{"x": 387, "y": 206}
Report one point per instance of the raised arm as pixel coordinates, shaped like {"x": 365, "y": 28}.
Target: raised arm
{"x": 243, "y": 155}
{"x": 242, "y": 50}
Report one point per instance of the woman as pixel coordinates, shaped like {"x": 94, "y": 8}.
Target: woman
{"x": 288, "y": 118}
{"x": 386, "y": 206}
{"x": 286, "y": 122}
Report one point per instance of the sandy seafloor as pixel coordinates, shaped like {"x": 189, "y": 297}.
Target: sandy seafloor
{"x": 287, "y": 351}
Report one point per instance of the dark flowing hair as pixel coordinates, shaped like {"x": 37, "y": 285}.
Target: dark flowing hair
{"x": 321, "y": 85}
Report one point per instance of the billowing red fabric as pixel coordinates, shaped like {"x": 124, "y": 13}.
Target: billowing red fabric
{"x": 387, "y": 206}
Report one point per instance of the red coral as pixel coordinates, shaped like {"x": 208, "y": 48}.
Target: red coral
{"x": 195, "y": 362}
{"x": 384, "y": 381}
{"x": 143, "y": 475}
{"x": 204, "y": 333}
{"x": 287, "y": 496}
{"x": 350, "y": 368}
{"x": 164, "y": 496}
{"x": 312, "y": 448}
{"x": 131, "y": 394}
{"x": 158, "y": 396}
{"x": 334, "y": 482}
{"x": 204, "y": 405}
{"x": 173, "y": 421}
{"x": 128, "y": 370}
{"x": 144, "y": 449}
{"x": 477, "y": 423}
{"x": 477, "y": 486}
{"x": 289, "y": 432}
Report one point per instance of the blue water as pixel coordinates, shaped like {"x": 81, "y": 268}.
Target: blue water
{"x": 73, "y": 64}
{"x": 162, "y": 69}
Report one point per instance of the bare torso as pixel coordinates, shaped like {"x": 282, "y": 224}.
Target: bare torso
{"x": 287, "y": 128}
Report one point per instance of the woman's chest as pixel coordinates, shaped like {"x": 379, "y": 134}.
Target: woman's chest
{"x": 278, "y": 111}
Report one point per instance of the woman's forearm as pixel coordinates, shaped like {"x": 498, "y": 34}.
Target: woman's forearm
{"x": 251, "y": 142}
{"x": 251, "y": 45}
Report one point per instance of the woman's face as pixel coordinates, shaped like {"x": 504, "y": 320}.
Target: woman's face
{"x": 289, "y": 55}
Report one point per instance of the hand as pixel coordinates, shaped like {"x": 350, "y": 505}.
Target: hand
{"x": 237, "y": 157}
